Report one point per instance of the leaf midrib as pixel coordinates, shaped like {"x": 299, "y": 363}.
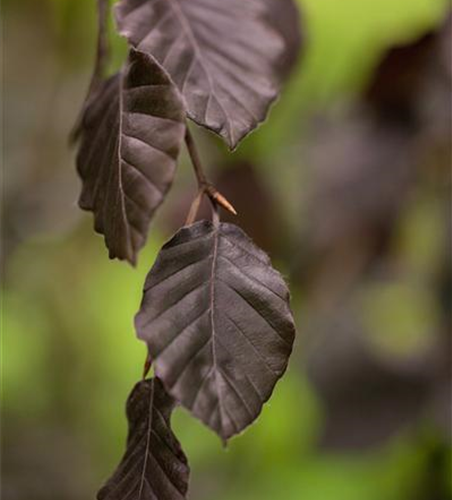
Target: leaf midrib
{"x": 148, "y": 441}
{"x": 130, "y": 249}
{"x": 177, "y": 9}
{"x": 212, "y": 321}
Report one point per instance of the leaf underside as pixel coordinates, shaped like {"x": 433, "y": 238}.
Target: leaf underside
{"x": 154, "y": 466}
{"x": 224, "y": 56}
{"x": 216, "y": 318}
{"x": 131, "y": 135}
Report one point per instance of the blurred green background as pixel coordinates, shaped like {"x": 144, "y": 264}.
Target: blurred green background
{"x": 363, "y": 411}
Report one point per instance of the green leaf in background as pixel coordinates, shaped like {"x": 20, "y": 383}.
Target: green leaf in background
{"x": 74, "y": 366}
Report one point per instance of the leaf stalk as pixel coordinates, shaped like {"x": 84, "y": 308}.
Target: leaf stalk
{"x": 204, "y": 186}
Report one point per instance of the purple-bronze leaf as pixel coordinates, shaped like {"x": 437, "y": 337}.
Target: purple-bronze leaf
{"x": 154, "y": 467}
{"x": 131, "y": 136}
{"x": 216, "y": 318}
{"x": 225, "y": 56}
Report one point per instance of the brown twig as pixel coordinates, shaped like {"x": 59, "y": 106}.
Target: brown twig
{"x": 100, "y": 66}
{"x": 204, "y": 186}
{"x": 147, "y": 366}
{"x": 195, "y": 159}
{"x": 103, "y": 46}
{"x": 194, "y": 208}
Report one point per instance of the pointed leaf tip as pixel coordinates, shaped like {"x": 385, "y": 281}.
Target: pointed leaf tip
{"x": 130, "y": 137}
{"x": 225, "y": 57}
{"x": 216, "y": 318}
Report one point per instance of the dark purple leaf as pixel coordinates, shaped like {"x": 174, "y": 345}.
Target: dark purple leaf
{"x": 216, "y": 319}
{"x": 225, "y": 57}
{"x": 130, "y": 141}
{"x": 154, "y": 467}
{"x": 399, "y": 79}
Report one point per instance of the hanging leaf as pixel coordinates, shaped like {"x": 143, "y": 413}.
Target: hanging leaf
{"x": 216, "y": 318}
{"x": 130, "y": 141}
{"x": 224, "y": 56}
{"x": 154, "y": 467}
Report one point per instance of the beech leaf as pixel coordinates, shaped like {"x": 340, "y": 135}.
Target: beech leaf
{"x": 216, "y": 318}
{"x": 225, "y": 56}
{"x": 154, "y": 467}
{"x": 131, "y": 135}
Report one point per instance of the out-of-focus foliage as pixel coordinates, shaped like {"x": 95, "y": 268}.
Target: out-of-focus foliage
{"x": 353, "y": 208}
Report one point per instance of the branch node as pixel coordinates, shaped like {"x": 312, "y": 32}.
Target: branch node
{"x": 217, "y": 197}
{"x": 147, "y": 366}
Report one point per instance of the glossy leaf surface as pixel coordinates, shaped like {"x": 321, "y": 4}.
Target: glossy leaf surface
{"x": 216, "y": 319}
{"x": 225, "y": 57}
{"x": 131, "y": 136}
